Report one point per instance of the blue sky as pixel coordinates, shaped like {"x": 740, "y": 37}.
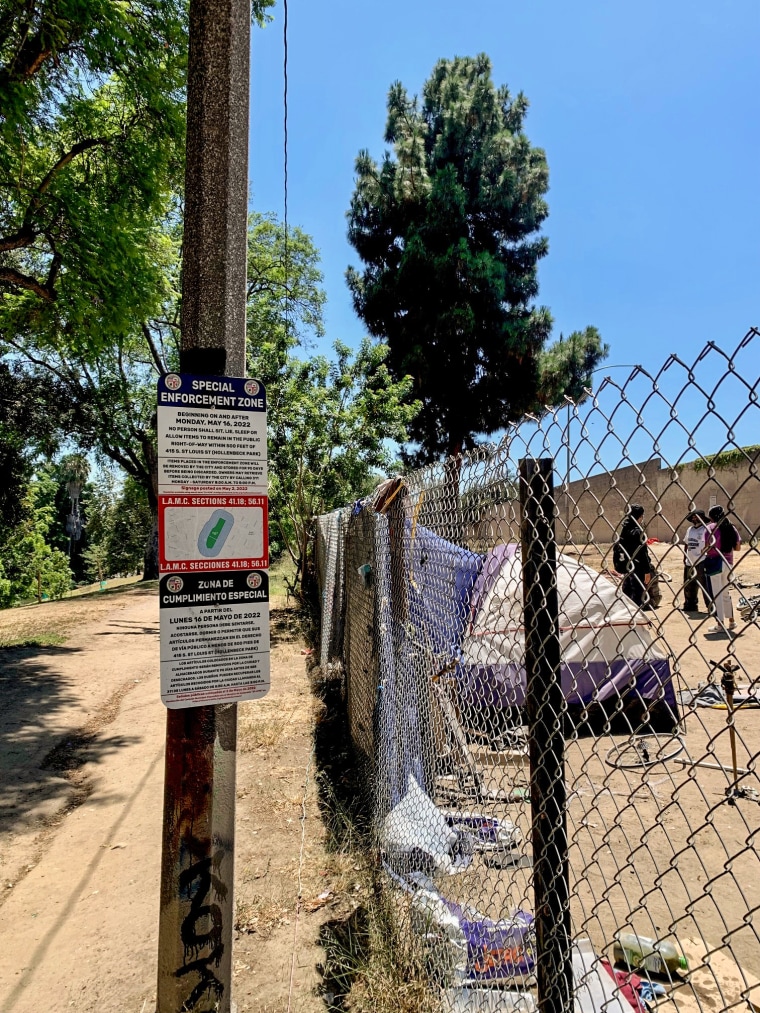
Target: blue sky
{"x": 648, "y": 113}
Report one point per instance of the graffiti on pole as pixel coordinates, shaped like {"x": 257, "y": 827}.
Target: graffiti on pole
{"x": 201, "y": 928}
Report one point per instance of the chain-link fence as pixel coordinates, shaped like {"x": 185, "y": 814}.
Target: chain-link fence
{"x": 552, "y": 665}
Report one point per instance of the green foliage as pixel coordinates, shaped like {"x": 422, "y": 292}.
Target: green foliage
{"x": 328, "y": 420}
{"x": 33, "y": 420}
{"x": 727, "y": 458}
{"x": 565, "y": 367}
{"x": 96, "y": 561}
{"x": 329, "y": 426}
{"x": 91, "y": 163}
{"x": 129, "y": 526}
{"x": 91, "y": 155}
{"x": 448, "y": 228}
{"x": 285, "y": 299}
{"x": 29, "y": 566}
{"x": 118, "y": 523}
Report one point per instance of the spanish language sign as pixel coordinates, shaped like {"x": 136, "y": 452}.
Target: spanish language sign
{"x": 213, "y": 539}
{"x": 214, "y": 637}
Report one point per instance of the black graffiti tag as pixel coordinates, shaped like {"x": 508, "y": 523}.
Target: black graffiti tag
{"x": 195, "y": 885}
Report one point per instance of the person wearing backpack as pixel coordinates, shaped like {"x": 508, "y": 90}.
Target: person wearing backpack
{"x": 722, "y": 540}
{"x": 630, "y": 556}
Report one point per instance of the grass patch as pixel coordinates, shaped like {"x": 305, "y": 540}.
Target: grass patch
{"x": 281, "y": 572}
{"x": 261, "y": 725}
{"x": 49, "y": 624}
{"x": 367, "y": 967}
{"x": 134, "y": 585}
{"x": 9, "y": 643}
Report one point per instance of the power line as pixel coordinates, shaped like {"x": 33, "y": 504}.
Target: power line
{"x": 285, "y": 162}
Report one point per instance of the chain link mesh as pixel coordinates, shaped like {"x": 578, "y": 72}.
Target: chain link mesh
{"x": 556, "y": 705}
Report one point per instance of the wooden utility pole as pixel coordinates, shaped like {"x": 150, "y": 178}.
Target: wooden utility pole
{"x": 196, "y": 917}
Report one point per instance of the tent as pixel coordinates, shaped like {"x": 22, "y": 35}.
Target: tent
{"x": 612, "y": 670}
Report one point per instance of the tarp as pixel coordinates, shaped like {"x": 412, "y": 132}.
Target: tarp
{"x": 439, "y": 579}
{"x": 608, "y": 654}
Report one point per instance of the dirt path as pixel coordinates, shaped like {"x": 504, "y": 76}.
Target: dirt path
{"x": 81, "y": 762}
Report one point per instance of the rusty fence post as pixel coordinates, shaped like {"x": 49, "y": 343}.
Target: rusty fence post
{"x": 197, "y": 862}
{"x": 545, "y": 706}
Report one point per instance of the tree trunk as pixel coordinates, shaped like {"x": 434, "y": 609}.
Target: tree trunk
{"x": 150, "y": 559}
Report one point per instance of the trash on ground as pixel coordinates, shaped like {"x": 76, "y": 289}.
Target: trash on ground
{"x": 594, "y": 989}
{"x": 652, "y": 955}
{"x": 415, "y": 837}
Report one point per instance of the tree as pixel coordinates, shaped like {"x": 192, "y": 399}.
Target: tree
{"x": 285, "y": 298}
{"x": 96, "y": 561}
{"x": 34, "y": 419}
{"x": 448, "y": 229}
{"x": 329, "y": 420}
{"x": 110, "y": 395}
{"x": 31, "y": 567}
{"x": 129, "y": 520}
{"x": 91, "y": 158}
{"x": 91, "y": 176}
{"x": 329, "y": 427}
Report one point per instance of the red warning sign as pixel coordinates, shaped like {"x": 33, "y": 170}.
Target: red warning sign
{"x": 212, "y": 532}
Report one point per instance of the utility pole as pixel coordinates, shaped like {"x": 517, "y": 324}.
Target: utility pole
{"x": 196, "y": 917}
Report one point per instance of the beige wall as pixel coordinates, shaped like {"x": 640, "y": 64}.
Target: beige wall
{"x": 596, "y": 505}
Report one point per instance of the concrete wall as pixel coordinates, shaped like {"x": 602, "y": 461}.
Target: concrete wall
{"x": 596, "y": 506}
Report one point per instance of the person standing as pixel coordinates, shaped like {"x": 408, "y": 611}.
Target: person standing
{"x": 630, "y": 557}
{"x": 722, "y": 540}
{"x": 694, "y": 562}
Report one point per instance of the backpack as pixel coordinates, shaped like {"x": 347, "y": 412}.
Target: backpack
{"x": 619, "y": 558}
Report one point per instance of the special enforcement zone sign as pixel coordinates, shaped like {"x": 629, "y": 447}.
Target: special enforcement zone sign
{"x": 213, "y": 539}
{"x": 214, "y": 637}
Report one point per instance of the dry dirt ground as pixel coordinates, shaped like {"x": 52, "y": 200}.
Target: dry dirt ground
{"x": 81, "y": 761}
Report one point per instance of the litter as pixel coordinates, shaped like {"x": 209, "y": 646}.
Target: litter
{"x": 488, "y": 833}
{"x": 467, "y": 945}
{"x": 415, "y": 837}
{"x": 594, "y": 990}
{"x": 641, "y": 953}
{"x": 713, "y": 695}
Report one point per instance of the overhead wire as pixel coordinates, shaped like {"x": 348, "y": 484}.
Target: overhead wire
{"x": 285, "y": 166}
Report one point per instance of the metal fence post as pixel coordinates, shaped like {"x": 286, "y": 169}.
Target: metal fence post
{"x": 545, "y": 712}
{"x": 196, "y": 916}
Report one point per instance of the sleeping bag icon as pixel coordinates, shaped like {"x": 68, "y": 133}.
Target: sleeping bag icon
{"x": 215, "y": 532}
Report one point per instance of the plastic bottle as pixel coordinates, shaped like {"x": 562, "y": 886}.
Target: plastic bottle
{"x": 641, "y": 953}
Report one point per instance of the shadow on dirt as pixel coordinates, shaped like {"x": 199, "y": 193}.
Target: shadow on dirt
{"x": 41, "y": 767}
{"x": 344, "y": 808}
{"x": 346, "y": 942}
{"x": 285, "y": 625}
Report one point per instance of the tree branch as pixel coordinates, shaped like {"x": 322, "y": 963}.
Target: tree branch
{"x": 26, "y": 235}
{"x": 160, "y": 366}
{"x": 65, "y": 159}
{"x": 14, "y": 277}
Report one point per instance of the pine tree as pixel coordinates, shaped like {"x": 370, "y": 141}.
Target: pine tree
{"x": 448, "y": 228}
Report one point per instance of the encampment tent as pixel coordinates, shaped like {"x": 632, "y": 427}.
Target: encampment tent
{"x": 612, "y": 668}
